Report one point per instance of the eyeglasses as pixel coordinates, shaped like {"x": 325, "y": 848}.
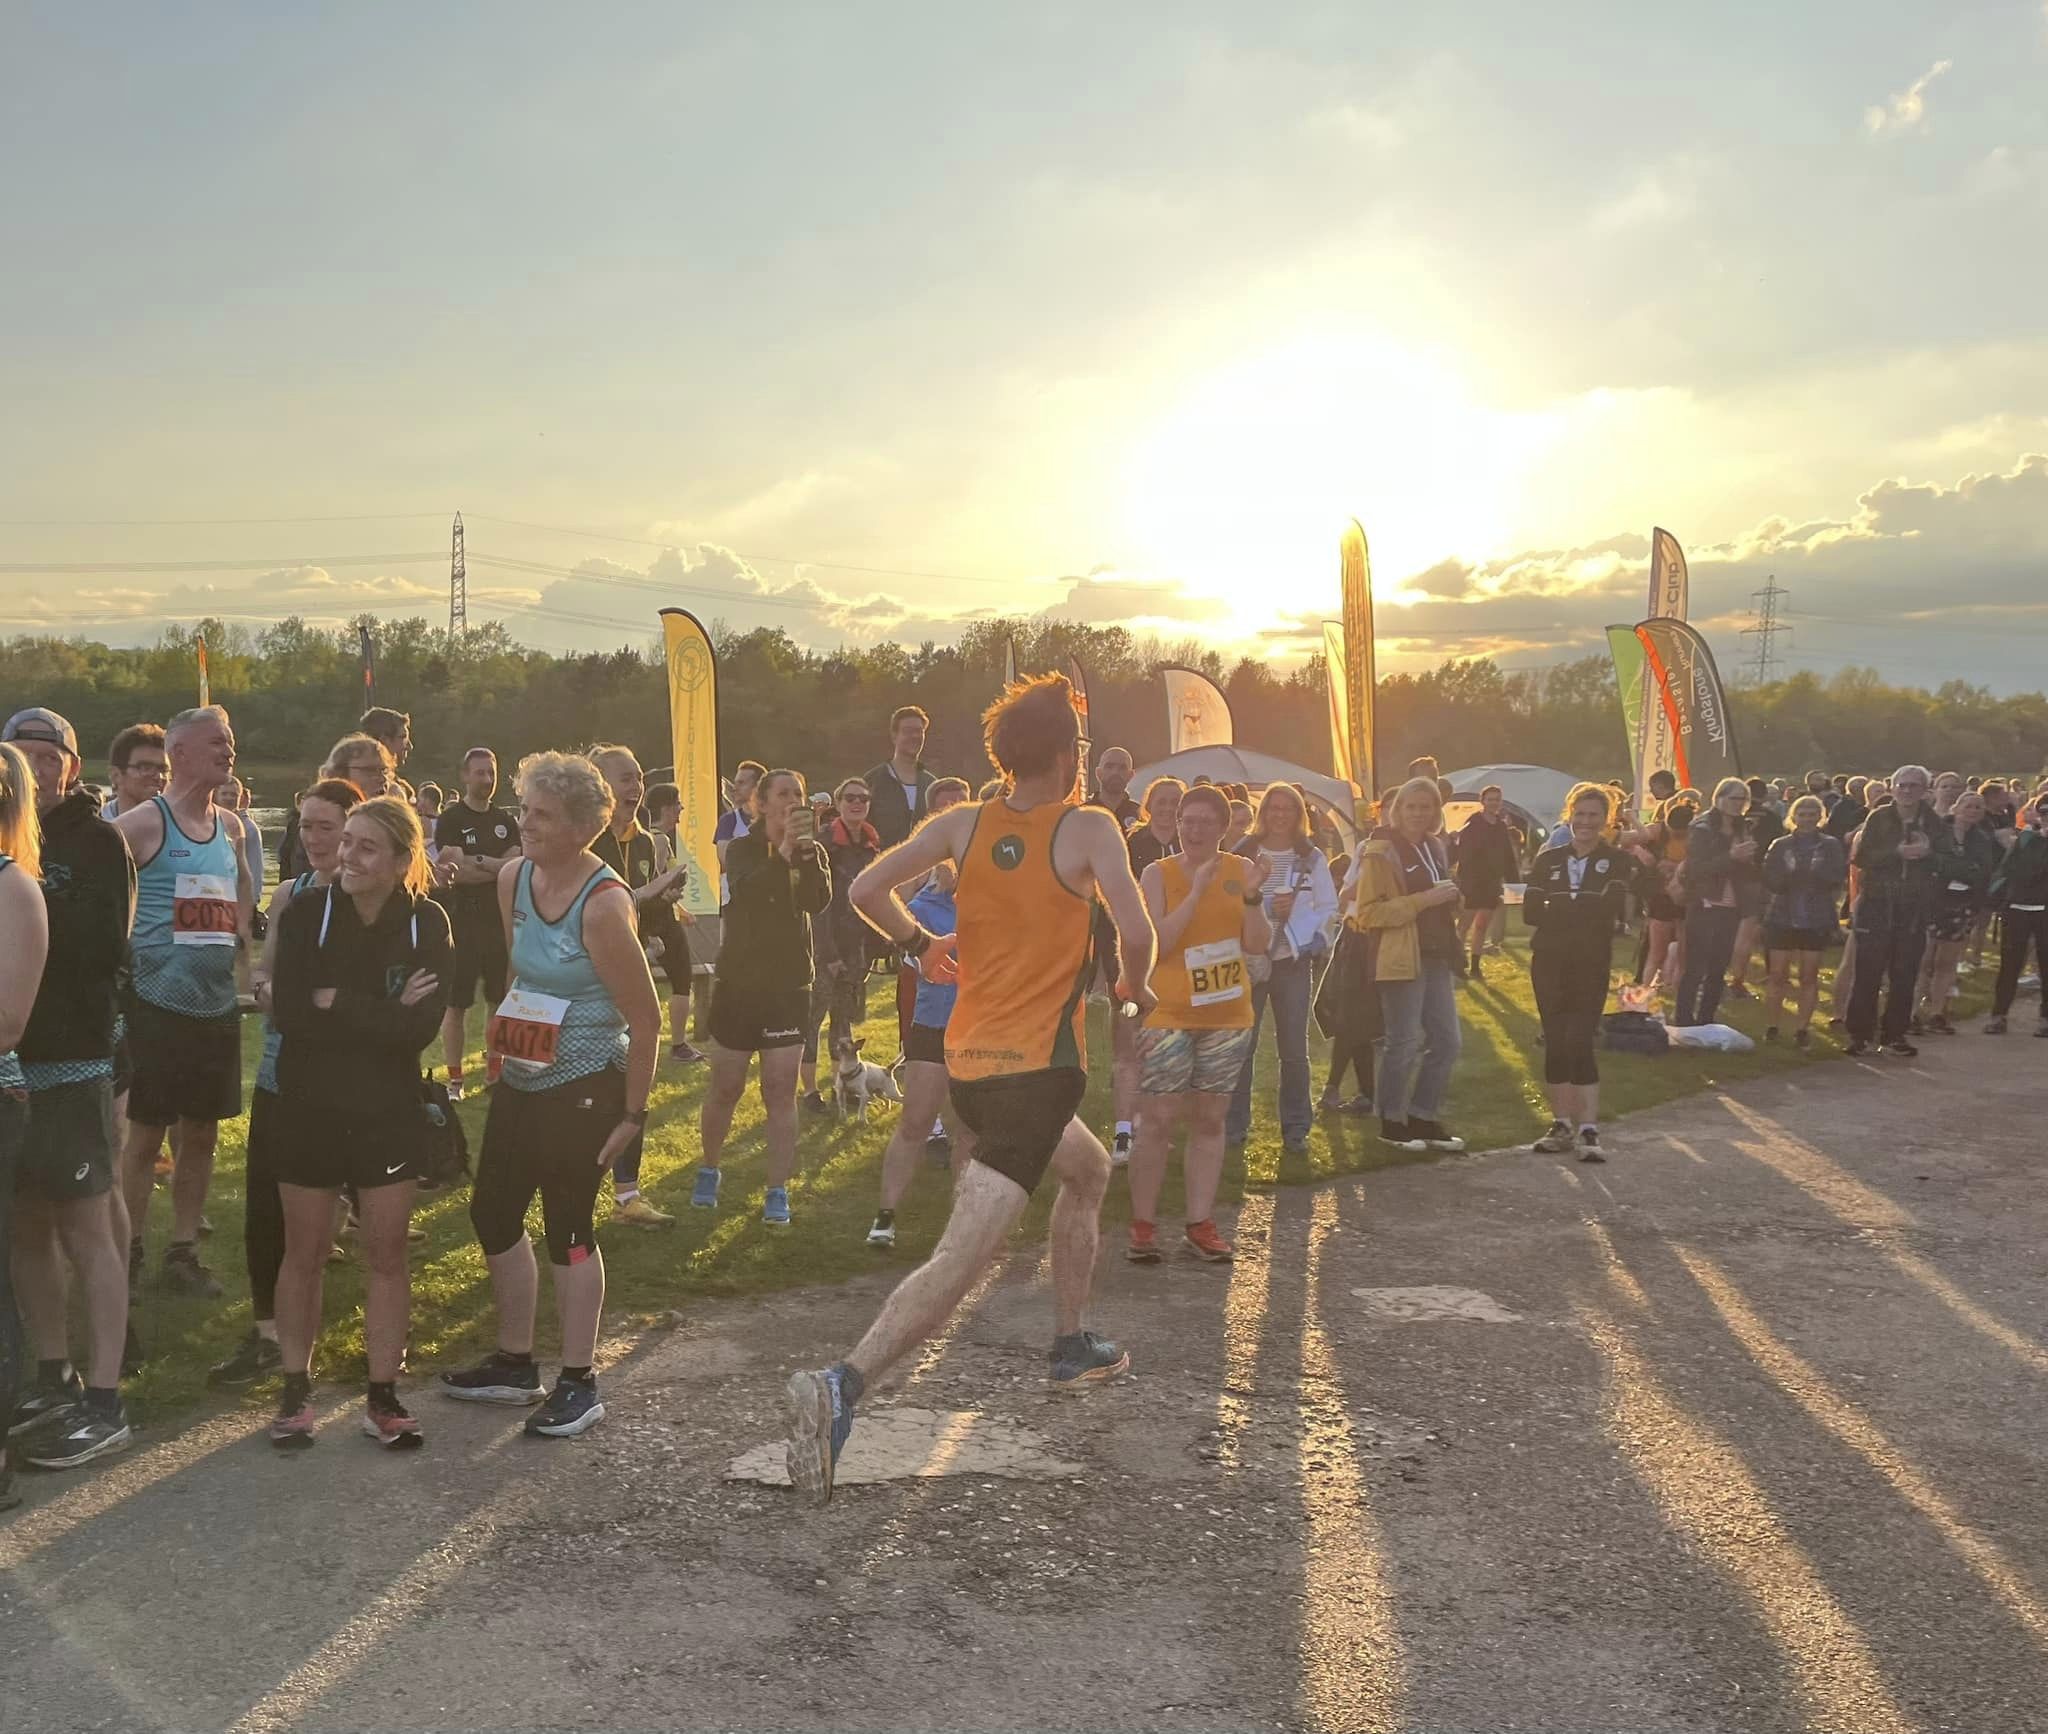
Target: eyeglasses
{"x": 855, "y": 800}
{"x": 143, "y": 768}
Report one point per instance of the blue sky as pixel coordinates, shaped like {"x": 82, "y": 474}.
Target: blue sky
{"x": 887, "y": 316}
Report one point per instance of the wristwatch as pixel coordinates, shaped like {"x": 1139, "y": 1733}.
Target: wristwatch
{"x": 917, "y": 944}
{"x": 637, "y": 1115}
{"x": 1254, "y": 899}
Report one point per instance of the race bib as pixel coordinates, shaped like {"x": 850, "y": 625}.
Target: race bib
{"x": 202, "y": 910}
{"x": 527, "y": 1030}
{"x": 1215, "y": 973}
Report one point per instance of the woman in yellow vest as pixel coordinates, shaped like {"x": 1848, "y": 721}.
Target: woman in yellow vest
{"x": 1207, "y": 909}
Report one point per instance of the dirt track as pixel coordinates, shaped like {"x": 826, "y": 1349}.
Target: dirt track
{"x": 1741, "y": 1431}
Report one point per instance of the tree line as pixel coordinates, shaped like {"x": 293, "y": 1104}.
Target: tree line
{"x": 293, "y": 689}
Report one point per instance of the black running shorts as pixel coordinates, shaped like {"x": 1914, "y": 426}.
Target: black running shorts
{"x": 69, "y": 1151}
{"x": 481, "y": 958}
{"x": 319, "y": 1148}
{"x": 925, "y": 1042}
{"x": 748, "y": 1019}
{"x": 1019, "y": 1119}
{"x": 186, "y": 1068}
{"x": 546, "y": 1141}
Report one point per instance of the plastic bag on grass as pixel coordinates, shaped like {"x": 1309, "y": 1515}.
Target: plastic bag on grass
{"x": 1717, "y": 1038}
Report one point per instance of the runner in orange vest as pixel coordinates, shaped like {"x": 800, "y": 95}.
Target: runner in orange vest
{"x": 1031, "y": 863}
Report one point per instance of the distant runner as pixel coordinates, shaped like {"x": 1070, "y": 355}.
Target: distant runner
{"x": 1030, "y": 865}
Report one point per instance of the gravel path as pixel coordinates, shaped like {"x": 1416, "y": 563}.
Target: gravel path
{"x": 1741, "y": 1431}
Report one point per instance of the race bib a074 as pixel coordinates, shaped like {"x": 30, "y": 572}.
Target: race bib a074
{"x": 527, "y": 1030}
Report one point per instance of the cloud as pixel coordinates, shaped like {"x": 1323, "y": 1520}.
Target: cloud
{"x": 1662, "y": 194}
{"x": 1106, "y": 597}
{"x": 1906, "y": 110}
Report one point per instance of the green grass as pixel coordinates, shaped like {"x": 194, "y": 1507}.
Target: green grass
{"x": 1496, "y": 1100}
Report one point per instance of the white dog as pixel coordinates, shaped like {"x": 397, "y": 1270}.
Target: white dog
{"x": 855, "y": 1080}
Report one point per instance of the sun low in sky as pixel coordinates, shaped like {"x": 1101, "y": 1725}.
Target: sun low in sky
{"x": 865, "y": 323}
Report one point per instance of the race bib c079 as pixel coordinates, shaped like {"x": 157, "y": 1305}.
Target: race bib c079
{"x": 203, "y": 910}
{"x": 1215, "y": 972}
{"x": 527, "y": 1030}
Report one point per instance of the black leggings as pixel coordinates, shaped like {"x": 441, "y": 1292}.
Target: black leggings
{"x": 13, "y": 1129}
{"x": 263, "y": 1206}
{"x": 1571, "y": 993}
{"x": 545, "y": 1141}
{"x": 2021, "y": 928}
{"x": 1353, "y": 1058}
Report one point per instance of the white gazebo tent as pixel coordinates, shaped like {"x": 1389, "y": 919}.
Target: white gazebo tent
{"x": 1220, "y": 764}
{"x": 1535, "y": 793}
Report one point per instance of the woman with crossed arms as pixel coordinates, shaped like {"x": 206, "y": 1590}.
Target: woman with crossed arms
{"x": 1209, "y": 911}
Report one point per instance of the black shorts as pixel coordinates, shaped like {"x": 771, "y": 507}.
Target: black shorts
{"x": 925, "y": 1042}
{"x": 124, "y": 1060}
{"x": 546, "y": 1141}
{"x": 319, "y": 1148}
{"x": 480, "y": 957}
{"x": 1795, "y": 939}
{"x": 68, "y": 1153}
{"x": 1018, "y": 1119}
{"x": 186, "y": 1068}
{"x": 749, "y": 1019}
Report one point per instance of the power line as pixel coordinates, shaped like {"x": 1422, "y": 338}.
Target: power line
{"x": 159, "y": 523}
{"x": 70, "y": 568}
{"x": 1767, "y": 627}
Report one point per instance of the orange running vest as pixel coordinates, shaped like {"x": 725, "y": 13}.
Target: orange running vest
{"x": 1025, "y": 949}
{"x": 1203, "y": 983}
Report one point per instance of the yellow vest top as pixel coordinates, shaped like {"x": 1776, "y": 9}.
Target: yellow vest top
{"x": 1025, "y": 949}
{"x": 1202, "y": 983}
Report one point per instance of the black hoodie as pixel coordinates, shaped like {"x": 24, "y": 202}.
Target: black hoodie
{"x": 360, "y": 1056}
{"x": 89, "y": 890}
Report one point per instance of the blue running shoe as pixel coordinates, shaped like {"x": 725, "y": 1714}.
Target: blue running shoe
{"x": 704, "y": 1195}
{"x": 1084, "y": 1359}
{"x": 572, "y": 1407}
{"x": 775, "y": 1207}
{"x": 820, "y": 1414}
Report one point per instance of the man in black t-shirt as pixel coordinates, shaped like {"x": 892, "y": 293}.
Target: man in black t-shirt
{"x": 472, "y": 839}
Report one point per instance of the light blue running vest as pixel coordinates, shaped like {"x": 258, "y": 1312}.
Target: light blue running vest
{"x": 549, "y": 958}
{"x": 180, "y": 963}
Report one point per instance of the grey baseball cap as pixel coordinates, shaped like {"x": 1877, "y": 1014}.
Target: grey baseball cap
{"x": 38, "y": 724}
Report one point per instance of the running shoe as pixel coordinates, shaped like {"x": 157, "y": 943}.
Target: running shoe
{"x": 687, "y": 1053}
{"x": 637, "y": 1211}
{"x": 205, "y": 1227}
{"x": 1329, "y": 1103}
{"x": 820, "y": 1417}
{"x": 884, "y": 1231}
{"x": 1400, "y": 1134}
{"x": 392, "y": 1425}
{"x": 1144, "y": 1244}
{"x": 87, "y": 1434}
{"x": 1770, "y": 1032}
{"x": 1940, "y": 1026}
{"x": 1994, "y": 1026}
{"x": 1206, "y": 1243}
{"x": 1360, "y": 1106}
{"x": 1120, "y": 1150}
{"x": 182, "y": 1273}
{"x": 1556, "y": 1141}
{"x": 46, "y": 1402}
{"x": 814, "y": 1103}
{"x": 291, "y": 1428}
{"x": 497, "y": 1378}
{"x": 1084, "y": 1359}
{"x": 1915, "y": 1026}
{"x": 1903, "y": 1048}
{"x": 255, "y": 1358}
{"x": 704, "y": 1195}
{"x": 1802, "y": 1038}
{"x": 1294, "y": 1146}
{"x": 938, "y": 1150}
{"x": 1436, "y": 1137}
{"x": 775, "y": 1207}
{"x": 454, "y": 1087}
{"x": 572, "y": 1408}
{"x": 1589, "y": 1144}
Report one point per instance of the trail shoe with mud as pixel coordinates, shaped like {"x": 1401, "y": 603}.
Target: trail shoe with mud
{"x": 819, "y": 1409}
{"x": 1084, "y": 1359}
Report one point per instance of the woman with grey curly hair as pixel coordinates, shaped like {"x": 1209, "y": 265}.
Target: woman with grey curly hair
{"x": 577, "y": 1033}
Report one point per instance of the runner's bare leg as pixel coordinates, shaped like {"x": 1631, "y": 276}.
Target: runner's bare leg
{"x": 1082, "y": 1168}
{"x": 986, "y": 1206}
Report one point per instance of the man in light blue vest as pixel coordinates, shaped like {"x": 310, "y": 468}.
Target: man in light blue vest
{"x": 194, "y": 900}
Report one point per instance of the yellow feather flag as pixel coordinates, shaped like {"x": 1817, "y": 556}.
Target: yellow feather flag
{"x": 693, "y": 733}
